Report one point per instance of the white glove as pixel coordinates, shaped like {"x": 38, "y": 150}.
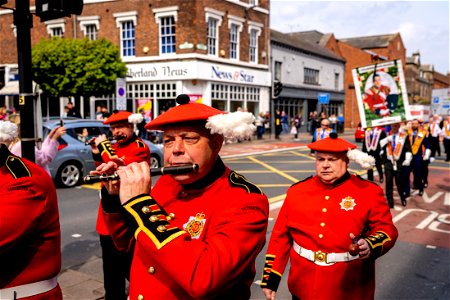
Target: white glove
{"x": 381, "y": 152}
{"x": 431, "y": 159}
{"x": 408, "y": 158}
{"x": 427, "y": 154}
{"x": 386, "y": 140}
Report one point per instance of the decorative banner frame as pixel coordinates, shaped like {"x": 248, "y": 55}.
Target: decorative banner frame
{"x": 384, "y": 101}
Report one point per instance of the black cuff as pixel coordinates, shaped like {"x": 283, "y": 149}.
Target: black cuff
{"x": 110, "y": 203}
{"x": 270, "y": 279}
{"x": 97, "y": 157}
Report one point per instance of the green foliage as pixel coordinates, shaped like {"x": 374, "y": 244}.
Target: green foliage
{"x": 70, "y": 67}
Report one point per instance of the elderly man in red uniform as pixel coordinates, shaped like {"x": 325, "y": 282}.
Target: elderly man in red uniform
{"x": 196, "y": 235}
{"x": 128, "y": 148}
{"x": 30, "y": 237}
{"x": 332, "y": 227}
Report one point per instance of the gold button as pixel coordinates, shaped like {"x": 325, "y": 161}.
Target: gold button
{"x": 161, "y": 228}
{"x": 322, "y": 224}
{"x": 151, "y": 270}
{"x": 153, "y": 218}
{"x": 327, "y": 197}
{"x": 324, "y": 209}
{"x": 145, "y": 209}
{"x": 171, "y": 216}
{"x": 320, "y": 236}
{"x": 140, "y": 297}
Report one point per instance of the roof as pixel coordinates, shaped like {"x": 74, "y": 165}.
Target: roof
{"x": 312, "y": 36}
{"x": 369, "y": 42}
{"x": 302, "y": 44}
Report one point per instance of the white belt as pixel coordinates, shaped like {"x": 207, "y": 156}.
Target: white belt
{"x": 28, "y": 290}
{"x": 323, "y": 259}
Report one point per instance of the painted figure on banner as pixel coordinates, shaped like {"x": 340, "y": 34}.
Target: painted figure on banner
{"x": 381, "y": 94}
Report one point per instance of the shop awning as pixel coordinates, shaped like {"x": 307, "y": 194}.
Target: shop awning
{"x": 11, "y": 88}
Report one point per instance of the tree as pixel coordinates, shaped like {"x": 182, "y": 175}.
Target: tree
{"x": 74, "y": 67}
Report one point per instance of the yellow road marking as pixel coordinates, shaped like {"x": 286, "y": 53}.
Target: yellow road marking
{"x": 277, "y": 198}
{"x": 283, "y": 174}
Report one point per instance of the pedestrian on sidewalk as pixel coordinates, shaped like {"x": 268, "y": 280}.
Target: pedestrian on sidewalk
{"x": 196, "y": 235}
{"x": 30, "y": 236}
{"x": 331, "y": 227}
{"x": 297, "y": 123}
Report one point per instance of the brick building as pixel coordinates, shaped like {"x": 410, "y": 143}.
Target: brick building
{"x": 358, "y": 52}
{"x": 419, "y": 80}
{"x": 441, "y": 81}
{"x": 214, "y": 50}
{"x": 307, "y": 71}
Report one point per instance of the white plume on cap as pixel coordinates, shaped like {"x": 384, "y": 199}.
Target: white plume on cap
{"x": 8, "y": 132}
{"x": 235, "y": 125}
{"x": 365, "y": 160}
{"x": 135, "y": 118}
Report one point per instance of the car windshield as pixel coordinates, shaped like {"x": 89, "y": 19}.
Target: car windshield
{"x": 83, "y": 134}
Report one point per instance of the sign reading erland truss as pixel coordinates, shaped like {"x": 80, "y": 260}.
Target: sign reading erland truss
{"x": 381, "y": 94}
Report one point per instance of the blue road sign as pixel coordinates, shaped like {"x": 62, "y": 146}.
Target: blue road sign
{"x": 324, "y": 98}
{"x": 436, "y": 100}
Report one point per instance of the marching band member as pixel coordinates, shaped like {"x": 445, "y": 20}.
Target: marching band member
{"x": 196, "y": 235}
{"x": 128, "y": 148}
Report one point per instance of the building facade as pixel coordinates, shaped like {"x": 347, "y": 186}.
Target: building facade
{"x": 308, "y": 72}
{"x": 214, "y": 51}
{"x": 419, "y": 80}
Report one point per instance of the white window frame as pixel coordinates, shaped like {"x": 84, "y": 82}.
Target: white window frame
{"x": 126, "y": 17}
{"x": 170, "y": 11}
{"x": 233, "y": 20}
{"x": 53, "y": 24}
{"x": 89, "y": 20}
{"x": 256, "y": 27}
{"x": 217, "y": 15}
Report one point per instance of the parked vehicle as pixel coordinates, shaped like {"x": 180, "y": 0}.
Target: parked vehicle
{"x": 74, "y": 159}
{"x": 359, "y": 134}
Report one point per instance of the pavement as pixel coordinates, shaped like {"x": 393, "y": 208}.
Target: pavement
{"x": 85, "y": 282}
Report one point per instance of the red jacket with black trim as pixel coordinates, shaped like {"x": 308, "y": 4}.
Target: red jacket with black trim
{"x": 133, "y": 150}
{"x": 320, "y": 217}
{"x": 194, "y": 242}
{"x": 30, "y": 237}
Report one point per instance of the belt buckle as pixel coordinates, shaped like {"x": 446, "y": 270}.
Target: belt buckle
{"x": 320, "y": 257}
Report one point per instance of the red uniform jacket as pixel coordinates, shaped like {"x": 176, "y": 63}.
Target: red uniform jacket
{"x": 320, "y": 217}
{"x": 194, "y": 242}
{"x": 30, "y": 237}
{"x": 134, "y": 150}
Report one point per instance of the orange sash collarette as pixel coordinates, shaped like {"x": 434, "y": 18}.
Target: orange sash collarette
{"x": 395, "y": 154}
{"x": 419, "y": 138}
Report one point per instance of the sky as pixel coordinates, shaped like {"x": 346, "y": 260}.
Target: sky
{"x": 423, "y": 25}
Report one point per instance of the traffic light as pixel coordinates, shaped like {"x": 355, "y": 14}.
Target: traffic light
{"x": 276, "y": 88}
{"x": 55, "y": 9}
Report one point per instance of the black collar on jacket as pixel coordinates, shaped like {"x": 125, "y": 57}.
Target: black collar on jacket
{"x": 216, "y": 171}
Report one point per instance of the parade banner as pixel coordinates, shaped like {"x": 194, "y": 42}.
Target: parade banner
{"x": 381, "y": 94}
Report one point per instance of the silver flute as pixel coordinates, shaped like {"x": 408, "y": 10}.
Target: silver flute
{"x": 174, "y": 170}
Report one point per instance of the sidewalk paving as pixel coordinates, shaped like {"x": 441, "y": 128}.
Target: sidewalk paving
{"x": 85, "y": 282}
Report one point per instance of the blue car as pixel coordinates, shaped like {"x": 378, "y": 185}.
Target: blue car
{"x": 74, "y": 160}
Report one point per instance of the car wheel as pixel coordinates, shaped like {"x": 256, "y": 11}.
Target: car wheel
{"x": 69, "y": 175}
{"x": 154, "y": 161}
